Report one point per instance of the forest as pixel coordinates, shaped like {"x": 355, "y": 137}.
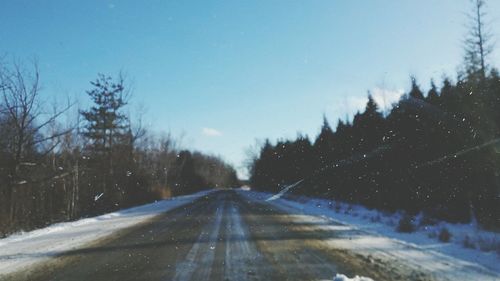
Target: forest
{"x": 435, "y": 152}
{"x": 60, "y": 163}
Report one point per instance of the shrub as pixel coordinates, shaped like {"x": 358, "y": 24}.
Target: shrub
{"x": 488, "y": 244}
{"x": 468, "y": 242}
{"x": 376, "y": 218}
{"x": 337, "y": 207}
{"x": 428, "y": 220}
{"x": 444, "y": 235}
{"x": 406, "y": 224}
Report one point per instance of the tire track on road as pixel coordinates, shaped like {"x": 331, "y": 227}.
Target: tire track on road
{"x": 201, "y": 262}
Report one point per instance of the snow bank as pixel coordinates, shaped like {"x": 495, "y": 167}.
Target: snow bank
{"x": 283, "y": 191}
{"x": 342, "y": 277}
{"x": 371, "y": 232}
{"x": 24, "y": 249}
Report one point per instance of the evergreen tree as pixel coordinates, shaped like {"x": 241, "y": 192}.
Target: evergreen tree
{"x": 478, "y": 44}
{"x": 415, "y": 91}
{"x": 324, "y": 144}
{"x": 433, "y": 95}
{"x": 106, "y": 129}
{"x": 106, "y": 124}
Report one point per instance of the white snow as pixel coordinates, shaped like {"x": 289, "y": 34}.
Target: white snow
{"x": 372, "y": 234}
{"x": 22, "y": 250}
{"x": 283, "y": 191}
{"x": 342, "y": 277}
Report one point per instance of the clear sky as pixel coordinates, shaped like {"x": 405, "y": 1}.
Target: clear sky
{"x": 225, "y": 73}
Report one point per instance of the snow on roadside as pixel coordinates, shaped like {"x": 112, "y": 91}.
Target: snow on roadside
{"x": 342, "y": 277}
{"x": 283, "y": 191}
{"x": 370, "y": 231}
{"x": 24, "y": 249}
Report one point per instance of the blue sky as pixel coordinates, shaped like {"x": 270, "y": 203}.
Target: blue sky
{"x": 225, "y": 73}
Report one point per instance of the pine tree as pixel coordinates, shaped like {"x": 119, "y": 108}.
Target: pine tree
{"x": 433, "y": 95}
{"x": 107, "y": 131}
{"x": 324, "y": 144}
{"x": 478, "y": 44}
{"x": 369, "y": 126}
{"x": 415, "y": 91}
{"x": 106, "y": 123}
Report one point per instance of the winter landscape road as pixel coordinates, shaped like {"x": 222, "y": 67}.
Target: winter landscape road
{"x": 221, "y": 236}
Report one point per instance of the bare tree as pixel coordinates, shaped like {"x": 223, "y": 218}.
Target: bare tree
{"x": 477, "y": 43}
{"x": 29, "y": 132}
{"x": 28, "y": 121}
{"x": 138, "y": 129}
{"x": 252, "y": 153}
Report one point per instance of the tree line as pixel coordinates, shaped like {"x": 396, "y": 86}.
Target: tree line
{"x": 435, "y": 152}
{"x": 57, "y": 164}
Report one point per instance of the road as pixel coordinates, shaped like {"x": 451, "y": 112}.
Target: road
{"x": 218, "y": 237}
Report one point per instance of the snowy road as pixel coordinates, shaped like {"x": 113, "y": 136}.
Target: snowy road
{"x": 222, "y": 236}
